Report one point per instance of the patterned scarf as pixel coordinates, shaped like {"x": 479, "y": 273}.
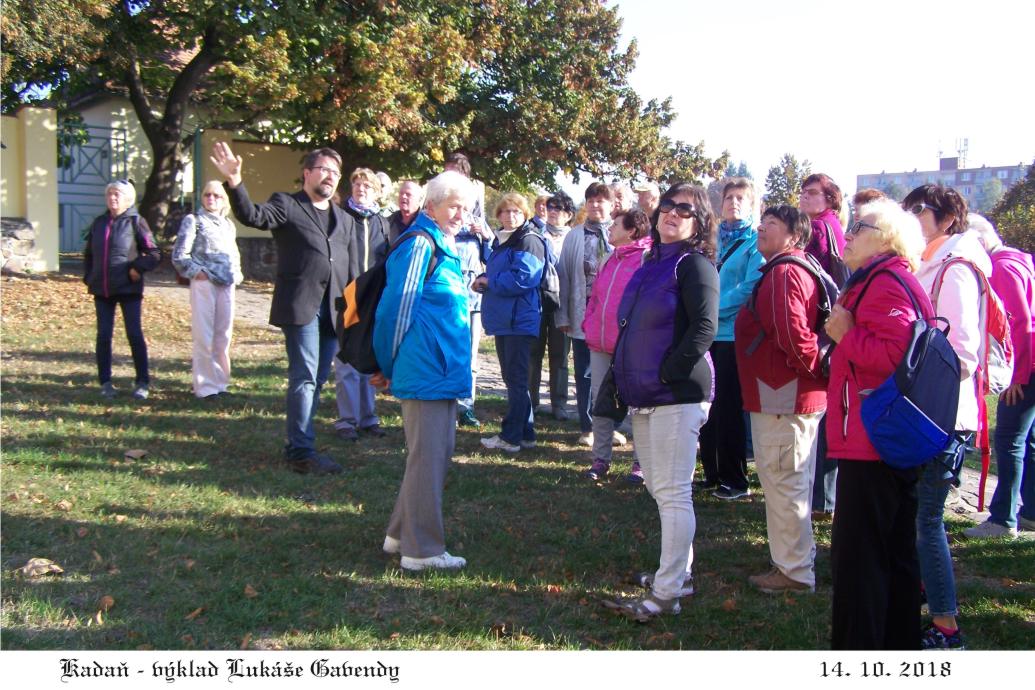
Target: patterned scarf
{"x": 600, "y": 231}
{"x": 730, "y": 232}
{"x": 365, "y": 211}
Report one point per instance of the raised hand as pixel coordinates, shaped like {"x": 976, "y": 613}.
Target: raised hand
{"x": 227, "y": 163}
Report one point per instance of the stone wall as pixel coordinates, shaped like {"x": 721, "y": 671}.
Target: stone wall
{"x": 17, "y": 245}
{"x": 258, "y": 258}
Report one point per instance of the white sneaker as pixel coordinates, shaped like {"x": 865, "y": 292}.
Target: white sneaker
{"x": 391, "y": 546}
{"x": 443, "y": 561}
{"x": 586, "y": 439}
{"x": 990, "y": 530}
{"x": 527, "y": 444}
{"x": 618, "y": 439}
{"x": 497, "y": 443}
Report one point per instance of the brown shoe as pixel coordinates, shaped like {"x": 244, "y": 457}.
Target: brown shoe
{"x": 775, "y": 582}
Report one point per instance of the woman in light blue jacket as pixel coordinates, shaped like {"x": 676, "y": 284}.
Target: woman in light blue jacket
{"x": 206, "y": 254}
{"x": 422, "y": 341}
{"x": 724, "y": 436}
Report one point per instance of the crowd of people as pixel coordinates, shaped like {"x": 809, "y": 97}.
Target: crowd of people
{"x": 749, "y": 331}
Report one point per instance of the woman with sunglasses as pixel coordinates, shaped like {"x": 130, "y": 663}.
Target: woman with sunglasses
{"x": 873, "y": 557}
{"x": 560, "y": 209}
{"x": 206, "y": 254}
{"x": 954, "y": 291}
{"x": 667, "y": 320}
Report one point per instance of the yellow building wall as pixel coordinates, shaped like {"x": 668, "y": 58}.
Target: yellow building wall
{"x": 267, "y": 168}
{"x": 30, "y": 179}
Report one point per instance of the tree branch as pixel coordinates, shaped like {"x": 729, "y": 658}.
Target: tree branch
{"x": 138, "y": 97}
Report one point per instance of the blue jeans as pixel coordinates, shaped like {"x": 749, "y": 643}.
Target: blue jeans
{"x": 581, "y": 356}
{"x": 932, "y": 546}
{"x": 131, "y": 320}
{"x": 513, "y": 351}
{"x": 824, "y": 486}
{"x": 1015, "y": 461}
{"x": 310, "y": 349}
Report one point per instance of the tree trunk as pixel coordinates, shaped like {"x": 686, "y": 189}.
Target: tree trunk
{"x": 159, "y": 191}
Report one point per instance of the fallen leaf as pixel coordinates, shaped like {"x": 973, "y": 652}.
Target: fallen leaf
{"x": 97, "y": 557}
{"x": 98, "y": 618}
{"x": 37, "y": 567}
{"x": 189, "y": 564}
{"x": 1007, "y": 582}
{"x": 63, "y": 505}
{"x": 729, "y": 605}
{"x": 437, "y": 620}
{"x": 113, "y": 569}
{"x": 106, "y": 603}
{"x": 120, "y": 518}
{"x": 247, "y": 639}
{"x": 250, "y": 592}
{"x": 553, "y": 589}
{"x": 135, "y": 454}
{"x": 12, "y": 497}
{"x": 194, "y": 614}
{"x": 82, "y": 532}
{"x": 187, "y": 639}
{"x": 790, "y": 601}
{"x": 394, "y": 636}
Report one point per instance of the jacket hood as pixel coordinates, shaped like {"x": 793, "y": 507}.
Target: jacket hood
{"x": 1015, "y": 256}
{"x": 635, "y": 247}
{"x": 965, "y": 245}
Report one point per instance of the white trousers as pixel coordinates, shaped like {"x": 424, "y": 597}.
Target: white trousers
{"x": 212, "y": 328}
{"x": 785, "y": 458}
{"x": 666, "y": 443}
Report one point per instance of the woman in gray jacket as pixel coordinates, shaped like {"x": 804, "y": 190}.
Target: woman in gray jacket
{"x": 206, "y": 254}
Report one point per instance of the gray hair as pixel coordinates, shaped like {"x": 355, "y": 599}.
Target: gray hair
{"x": 125, "y": 188}
{"x": 446, "y": 185}
{"x": 898, "y": 228}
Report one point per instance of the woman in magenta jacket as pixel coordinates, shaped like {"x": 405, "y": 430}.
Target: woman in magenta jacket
{"x": 630, "y": 236}
{"x": 873, "y": 555}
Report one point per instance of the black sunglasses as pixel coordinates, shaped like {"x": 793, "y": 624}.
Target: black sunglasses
{"x": 554, "y": 206}
{"x": 683, "y": 210}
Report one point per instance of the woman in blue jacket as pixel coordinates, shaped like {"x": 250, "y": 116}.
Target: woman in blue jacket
{"x": 511, "y": 311}
{"x": 422, "y": 343}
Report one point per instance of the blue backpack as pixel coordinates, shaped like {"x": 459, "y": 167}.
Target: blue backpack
{"x": 910, "y": 417}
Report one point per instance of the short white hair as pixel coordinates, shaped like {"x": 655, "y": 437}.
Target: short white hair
{"x": 986, "y": 233}
{"x": 125, "y": 188}
{"x": 898, "y": 228}
{"x": 447, "y": 185}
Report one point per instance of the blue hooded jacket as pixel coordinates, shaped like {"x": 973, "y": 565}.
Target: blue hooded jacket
{"x": 422, "y": 335}
{"x": 510, "y": 304}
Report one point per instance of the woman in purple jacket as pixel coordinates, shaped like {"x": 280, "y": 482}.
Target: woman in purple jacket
{"x": 668, "y": 317}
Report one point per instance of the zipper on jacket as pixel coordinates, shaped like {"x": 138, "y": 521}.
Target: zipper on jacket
{"x": 844, "y": 410}
{"x": 607, "y": 297}
{"x": 104, "y": 265}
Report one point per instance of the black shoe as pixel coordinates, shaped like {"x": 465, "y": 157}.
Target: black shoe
{"x": 315, "y": 464}
{"x": 728, "y": 494}
{"x": 374, "y": 430}
{"x": 706, "y": 484}
{"x": 347, "y": 434}
{"x": 467, "y": 418}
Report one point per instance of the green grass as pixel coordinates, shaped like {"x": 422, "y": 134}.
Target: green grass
{"x": 211, "y": 520}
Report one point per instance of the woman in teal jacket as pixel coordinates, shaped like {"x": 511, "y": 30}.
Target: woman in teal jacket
{"x": 422, "y": 343}
{"x": 724, "y": 436}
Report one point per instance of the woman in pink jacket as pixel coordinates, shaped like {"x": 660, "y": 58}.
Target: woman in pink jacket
{"x": 876, "y": 574}
{"x": 630, "y": 236}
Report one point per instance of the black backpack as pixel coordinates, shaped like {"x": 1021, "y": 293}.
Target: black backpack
{"x": 550, "y": 285}
{"x": 358, "y": 305}
{"x": 828, "y": 294}
{"x": 839, "y": 270}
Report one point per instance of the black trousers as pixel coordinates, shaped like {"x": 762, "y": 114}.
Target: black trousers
{"x": 724, "y": 436}
{"x": 873, "y": 558}
{"x": 560, "y": 345}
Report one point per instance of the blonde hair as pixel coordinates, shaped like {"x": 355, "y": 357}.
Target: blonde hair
{"x": 516, "y": 200}
{"x": 898, "y": 228}
{"x": 367, "y": 175}
{"x": 218, "y": 186}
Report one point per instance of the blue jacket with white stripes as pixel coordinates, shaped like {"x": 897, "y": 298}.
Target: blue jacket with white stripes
{"x": 422, "y": 335}
{"x": 511, "y": 304}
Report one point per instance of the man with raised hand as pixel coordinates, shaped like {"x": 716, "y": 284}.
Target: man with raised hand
{"x": 316, "y": 258}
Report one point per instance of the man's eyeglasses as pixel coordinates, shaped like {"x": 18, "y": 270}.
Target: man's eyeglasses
{"x": 858, "y": 226}
{"x": 683, "y": 210}
{"x": 917, "y": 209}
{"x": 327, "y": 171}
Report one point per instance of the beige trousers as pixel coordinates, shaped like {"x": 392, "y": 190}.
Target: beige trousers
{"x": 785, "y": 458}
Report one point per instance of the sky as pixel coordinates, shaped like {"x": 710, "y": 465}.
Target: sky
{"x": 854, "y": 87}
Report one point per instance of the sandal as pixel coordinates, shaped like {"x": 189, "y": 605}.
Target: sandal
{"x": 644, "y": 609}
{"x": 646, "y": 580}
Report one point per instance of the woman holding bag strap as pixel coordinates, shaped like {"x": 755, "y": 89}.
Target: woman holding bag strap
{"x": 206, "y": 253}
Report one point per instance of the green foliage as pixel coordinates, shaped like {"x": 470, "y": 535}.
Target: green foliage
{"x": 991, "y": 194}
{"x": 1014, "y": 215}
{"x": 895, "y": 191}
{"x": 783, "y": 182}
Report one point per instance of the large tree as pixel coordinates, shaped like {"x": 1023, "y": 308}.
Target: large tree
{"x": 783, "y": 183}
{"x": 1015, "y": 213}
{"x": 527, "y": 87}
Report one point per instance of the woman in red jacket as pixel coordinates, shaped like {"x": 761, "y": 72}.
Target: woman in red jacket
{"x": 782, "y": 385}
{"x": 873, "y": 551}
